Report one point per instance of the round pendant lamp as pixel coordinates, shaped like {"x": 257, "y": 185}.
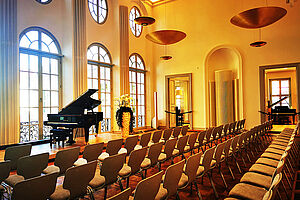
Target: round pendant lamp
{"x": 166, "y": 57}
{"x": 258, "y": 44}
{"x": 258, "y": 17}
{"x": 166, "y": 37}
{"x": 144, "y": 21}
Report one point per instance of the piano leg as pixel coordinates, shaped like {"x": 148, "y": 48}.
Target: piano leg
{"x": 86, "y": 134}
{"x": 71, "y": 137}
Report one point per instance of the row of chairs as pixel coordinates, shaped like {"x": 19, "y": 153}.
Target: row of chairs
{"x": 264, "y": 177}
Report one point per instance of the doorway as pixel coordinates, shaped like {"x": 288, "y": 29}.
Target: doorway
{"x": 279, "y": 93}
{"x": 179, "y": 100}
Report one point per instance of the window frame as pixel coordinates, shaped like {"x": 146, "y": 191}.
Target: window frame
{"x": 41, "y": 54}
{"x": 135, "y": 25}
{"x": 280, "y": 94}
{"x": 144, "y": 71}
{"x": 106, "y": 65}
{"x": 106, "y": 16}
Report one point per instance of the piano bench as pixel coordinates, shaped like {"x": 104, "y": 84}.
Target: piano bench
{"x": 60, "y": 135}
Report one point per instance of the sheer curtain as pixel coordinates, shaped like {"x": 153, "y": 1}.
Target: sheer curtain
{"x": 9, "y": 101}
{"x": 80, "y": 48}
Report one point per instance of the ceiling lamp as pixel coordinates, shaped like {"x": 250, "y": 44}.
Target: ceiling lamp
{"x": 258, "y": 17}
{"x": 166, "y": 37}
{"x": 166, "y": 57}
{"x": 144, "y": 21}
{"x": 258, "y": 44}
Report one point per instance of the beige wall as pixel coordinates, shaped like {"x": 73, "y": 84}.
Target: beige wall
{"x": 207, "y": 25}
{"x": 284, "y": 74}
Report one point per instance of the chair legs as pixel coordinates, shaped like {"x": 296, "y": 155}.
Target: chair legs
{"x": 198, "y": 192}
{"x": 212, "y": 184}
{"x": 222, "y": 176}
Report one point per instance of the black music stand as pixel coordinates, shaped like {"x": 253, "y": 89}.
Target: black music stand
{"x": 179, "y": 116}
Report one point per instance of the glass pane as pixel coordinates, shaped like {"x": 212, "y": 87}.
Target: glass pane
{"x": 107, "y": 76}
{"x": 107, "y": 99}
{"x": 95, "y": 83}
{"x": 102, "y": 84}
{"x": 46, "y": 98}
{"x": 54, "y": 82}
{"x": 90, "y": 83}
{"x": 46, "y": 82}
{"x": 33, "y": 63}
{"x": 95, "y": 71}
{"x": 54, "y": 66}
{"x": 102, "y": 73}
{"x": 45, "y": 65}
{"x": 53, "y": 48}
{"x": 46, "y": 111}
{"x": 285, "y": 90}
{"x": 34, "y": 45}
{"x": 32, "y": 35}
{"x": 24, "y": 42}
{"x": 34, "y": 98}
{"x": 108, "y": 86}
{"x": 54, "y": 110}
{"x": 285, "y": 83}
{"x": 23, "y": 62}
{"x": 142, "y": 78}
{"x": 142, "y": 89}
{"x": 34, "y": 81}
{"x": 89, "y": 71}
{"x": 24, "y": 80}
{"x": 24, "y": 97}
{"x": 24, "y": 115}
{"x": 274, "y": 99}
{"x": 45, "y": 47}
{"x": 54, "y": 98}
{"x": 34, "y": 115}
{"x": 107, "y": 112}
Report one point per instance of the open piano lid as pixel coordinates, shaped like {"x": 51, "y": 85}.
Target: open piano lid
{"x": 82, "y": 102}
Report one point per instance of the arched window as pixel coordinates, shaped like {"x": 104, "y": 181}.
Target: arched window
{"x": 44, "y": 1}
{"x": 40, "y": 66}
{"x": 135, "y": 28}
{"x": 99, "y": 77}
{"x": 98, "y": 10}
{"x": 137, "y": 79}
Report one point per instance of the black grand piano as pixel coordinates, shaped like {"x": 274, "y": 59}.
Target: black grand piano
{"x": 74, "y": 116}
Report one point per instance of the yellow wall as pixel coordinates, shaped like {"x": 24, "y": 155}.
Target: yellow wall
{"x": 207, "y": 25}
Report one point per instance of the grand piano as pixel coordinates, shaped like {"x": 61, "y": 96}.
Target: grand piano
{"x": 74, "y": 115}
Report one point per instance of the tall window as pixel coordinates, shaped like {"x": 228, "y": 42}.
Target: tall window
{"x": 98, "y": 10}
{"x": 99, "y": 77}
{"x": 280, "y": 88}
{"x": 40, "y": 57}
{"x": 137, "y": 79}
{"x": 135, "y": 28}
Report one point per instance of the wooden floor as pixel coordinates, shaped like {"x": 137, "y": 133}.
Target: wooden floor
{"x": 44, "y": 148}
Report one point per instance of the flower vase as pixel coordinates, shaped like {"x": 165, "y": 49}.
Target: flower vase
{"x": 125, "y": 123}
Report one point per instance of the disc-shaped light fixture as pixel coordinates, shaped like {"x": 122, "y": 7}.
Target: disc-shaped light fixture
{"x": 144, "y": 21}
{"x": 258, "y": 17}
{"x": 166, "y": 37}
{"x": 258, "y": 44}
{"x": 166, "y": 57}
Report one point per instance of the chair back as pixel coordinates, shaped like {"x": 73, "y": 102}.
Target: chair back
{"x": 176, "y": 131}
{"x": 154, "y": 152}
{"x": 130, "y": 143}
{"x": 207, "y": 158}
{"x": 191, "y": 167}
{"x": 136, "y": 158}
{"x": 184, "y": 130}
{"x": 219, "y": 151}
{"x": 181, "y": 143}
{"x": 4, "y": 170}
{"x": 37, "y": 188}
{"x": 275, "y": 182}
{"x": 15, "y": 152}
{"x": 192, "y": 140}
{"x": 234, "y": 143}
{"x": 124, "y": 195}
{"x": 172, "y": 177}
{"x": 214, "y": 132}
{"x": 148, "y": 188}
{"x": 167, "y": 134}
{"x": 231, "y": 127}
{"x": 225, "y": 129}
{"x": 219, "y": 131}
{"x": 169, "y": 147}
{"x": 145, "y": 139}
{"x": 113, "y": 146}
{"x": 32, "y": 166}
{"x": 241, "y": 139}
{"x": 278, "y": 170}
{"x": 92, "y": 151}
{"x": 238, "y": 124}
{"x": 111, "y": 166}
{"x": 227, "y": 147}
{"x": 201, "y": 137}
{"x": 77, "y": 179}
{"x": 65, "y": 159}
{"x": 208, "y": 133}
{"x": 156, "y": 136}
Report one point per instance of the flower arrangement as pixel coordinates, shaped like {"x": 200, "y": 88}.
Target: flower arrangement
{"x": 124, "y": 115}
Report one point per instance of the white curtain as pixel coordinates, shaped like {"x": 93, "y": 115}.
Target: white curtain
{"x": 124, "y": 50}
{"x": 79, "y": 51}
{"x": 9, "y": 100}
{"x": 79, "y": 47}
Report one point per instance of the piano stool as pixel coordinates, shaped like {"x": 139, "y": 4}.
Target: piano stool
{"x": 60, "y": 135}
